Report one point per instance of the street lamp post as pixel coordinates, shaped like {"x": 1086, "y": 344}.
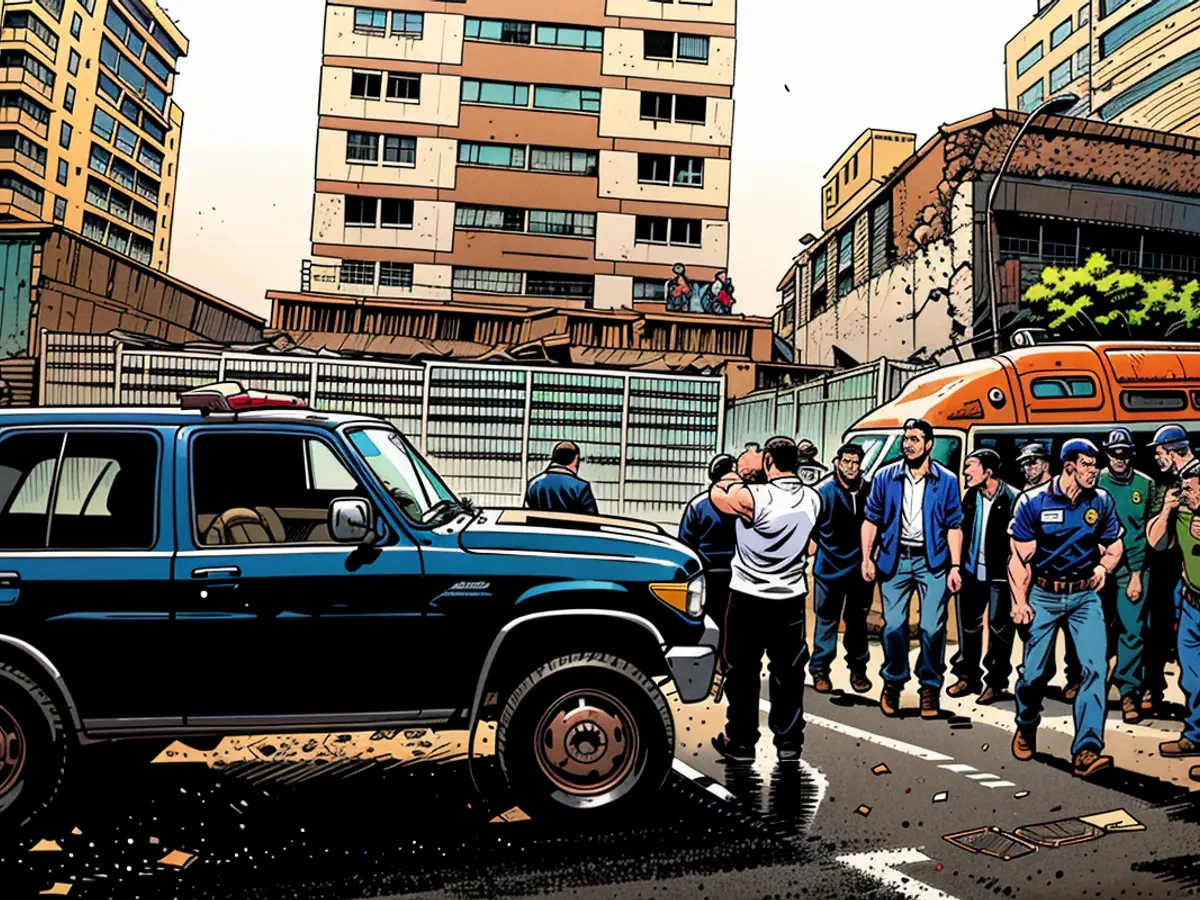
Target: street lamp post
{"x": 1058, "y": 104}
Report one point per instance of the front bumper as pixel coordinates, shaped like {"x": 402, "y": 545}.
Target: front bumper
{"x": 692, "y": 666}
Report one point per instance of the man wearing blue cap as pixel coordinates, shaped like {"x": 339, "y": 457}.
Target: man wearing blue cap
{"x": 1066, "y": 543}
{"x": 1125, "y": 595}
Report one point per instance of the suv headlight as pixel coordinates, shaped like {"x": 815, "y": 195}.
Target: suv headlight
{"x": 687, "y": 597}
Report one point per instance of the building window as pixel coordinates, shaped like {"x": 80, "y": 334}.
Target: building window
{"x": 1030, "y": 59}
{"x": 657, "y": 107}
{"x": 370, "y": 21}
{"x": 492, "y": 281}
{"x": 1141, "y": 21}
{"x": 155, "y": 131}
{"x": 400, "y": 151}
{"x": 690, "y": 109}
{"x": 654, "y": 168}
{"x": 96, "y": 194}
{"x": 76, "y": 25}
{"x": 649, "y": 289}
{"x": 676, "y": 232}
{"x": 566, "y": 224}
{"x": 150, "y": 158}
{"x": 395, "y": 275}
{"x": 69, "y": 98}
{"x": 16, "y": 141}
{"x": 498, "y": 93}
{"x": 99, "y": 159}
{"x": 658, "y": 45}
{"x": 73, "y": 59}
{"x": 1172, "y": 72}
{"x": 157, "y": 65}
{"x": 362, "y": 147}
{"x": 64, "y": 135}
{"x": 682, "y": 108}
{"x": 1083, "y": 61}
{"x": 395, "y": 213}
{"x": 1085, "y": 14}
{"x": 1060, "y": 76}
{"x": 845, "y": 270}
{"x": 408, "y": 24}
{"x": 566, "y": 98}
{"x": 131, "y": 111}
{"x": 16, "y": 59}
{"x": 60, "y": 208}
{"x": 1061, "y": 32}
{"x": 366, "y": 85}
{"x": 693, "y": 48}
{"x": 570, "y": 36}
{"x": 501, "y": 156}
{"x": 30, "y": 22}
{"x": 406, "y": 88}
{"x": 122, "y": 173}
{"x": 882, "y": 252}
{"x": 356, "y": 271}
{"x": 546, "y": 284}
{"x": 94, "y": 227}
{"x": 689, "y": 171}
{"x": 64, "y": 172}
{"x": 30, "y": 107}
{"x": 1108, "y": 7}
{"x": 1031, "y": 98}
{"x": 489, "y": 218}
{"x": 361, "y": 212}
{"x": 498, "y": 31}
{"x": 108, "y": 87}
{"x": 820, "y": 282}
{"x": 564, "y": 162}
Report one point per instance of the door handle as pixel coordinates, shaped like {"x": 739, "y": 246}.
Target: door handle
{"x": 10, "y": 580}
{"x": 224, "y": 572}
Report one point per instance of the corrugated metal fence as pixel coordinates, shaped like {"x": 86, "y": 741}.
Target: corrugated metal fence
{"x": 646, "y": 438}
{"x": 821, "y": 410}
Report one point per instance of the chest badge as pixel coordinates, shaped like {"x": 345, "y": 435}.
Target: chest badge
{"x": 1091, "y": 517}
{"x": 1137, "y": 497}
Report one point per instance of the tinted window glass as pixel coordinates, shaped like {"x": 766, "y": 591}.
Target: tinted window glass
{"x": 27, "y": 463}
{"x": 1057, "y": 388}
{"x": 1153, "y": 401}
{"x": 106, "y": 491}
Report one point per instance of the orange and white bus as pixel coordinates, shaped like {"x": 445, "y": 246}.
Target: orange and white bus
{"x": 1047, "y": 393}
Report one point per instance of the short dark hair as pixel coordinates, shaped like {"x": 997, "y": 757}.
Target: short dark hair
{"x": 989, "y": 459}
{"x": 564, "y": 453}
{"x": 782, "y": 451}
{"x": 920, "y": 425}
{"x": 1191, "y": 470}
{"x": 753, "y": 445}
{"x": 720, "y": 466}
{"x": 851, "y": 450}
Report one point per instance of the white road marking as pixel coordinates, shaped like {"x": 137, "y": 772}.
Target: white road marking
{"x": 691, "y": 774}
{"x": 880, "y": 865}
{"x": 983, "y": 776}
{"x": 958, "y": 768}
{"x": 996, "y": 784}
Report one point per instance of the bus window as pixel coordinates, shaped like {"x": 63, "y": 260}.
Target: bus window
{"x": 1062, "y": 388}
{"x": 1153, "y": 401}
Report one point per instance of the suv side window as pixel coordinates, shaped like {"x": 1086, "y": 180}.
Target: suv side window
{"x": 87, "y": 490}
{"x": 264, "y": 488}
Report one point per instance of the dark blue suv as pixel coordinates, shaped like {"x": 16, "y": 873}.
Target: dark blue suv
{"x": 245, "y": 565}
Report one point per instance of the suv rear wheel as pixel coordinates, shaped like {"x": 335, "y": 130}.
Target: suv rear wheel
{"x": 33, "y": 749}
{"x": 584, "y": 733}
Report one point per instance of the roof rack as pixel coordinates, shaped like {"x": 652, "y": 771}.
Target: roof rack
{"x": 231, "y": 397}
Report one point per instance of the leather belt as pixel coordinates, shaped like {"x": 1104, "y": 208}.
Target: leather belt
{"x": 911, "y": 551}
{"x": 1064, "y": 587}
{"x": 1192, "y": 598}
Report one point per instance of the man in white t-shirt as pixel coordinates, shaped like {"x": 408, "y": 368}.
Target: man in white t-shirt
{"x": 766, "y": 603}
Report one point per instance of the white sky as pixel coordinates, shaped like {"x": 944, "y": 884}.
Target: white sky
{"x": 249, "y": 92}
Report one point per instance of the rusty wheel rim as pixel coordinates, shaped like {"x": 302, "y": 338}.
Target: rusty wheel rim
{"x": 12, "y": 751}
{"x": 587, "y": 743}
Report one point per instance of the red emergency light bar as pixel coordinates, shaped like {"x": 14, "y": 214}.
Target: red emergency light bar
{"x": 230, "y": 396}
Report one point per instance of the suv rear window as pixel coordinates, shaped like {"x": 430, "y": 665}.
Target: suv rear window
{"x": 87, "y": 490}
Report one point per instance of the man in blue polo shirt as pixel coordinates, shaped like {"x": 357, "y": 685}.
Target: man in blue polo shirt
{"x": 1066, "y": 542}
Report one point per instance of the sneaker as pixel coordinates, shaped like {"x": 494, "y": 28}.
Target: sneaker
{"x": 889, "y": 700}
{"x": 736, "y": 753}
{"x": 1130, "y": 710}
{"x": 962, "y": 687}
{"x": 788, "y": 756}
{"x": 1024, "y": 744}
{"x": 821, "y": 683}
{"x": 860, "y": 682}
{"x": 992, "y": 695}
{"x": 1071, "y": 692}
{"x": 1088, "y": 762}
{"x": 930, "y": 703}
{"x": 1181, "y": 747}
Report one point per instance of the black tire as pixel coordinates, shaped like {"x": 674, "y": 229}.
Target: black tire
{"x": 34, "y": 749}
{"x": 611, "y": 752}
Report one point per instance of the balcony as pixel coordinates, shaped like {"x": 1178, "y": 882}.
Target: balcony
{"x": 432, "y": 226}
{"x": 13, "y": 115}
{"x": 13, "y": 203}
{"x": 625, "y": 56}
{"x": 434, "y": 164}
{"x": 441, "y": 40}
{"x": 11, "y": 156}
{"x": 16, "y": 75}
{"x": 619, "y": 180}
{"x": 439, "y": 103}
{"x": 716, "y": 12}
{"x": 26, "y": 39}
{"x": 621, "y": 117}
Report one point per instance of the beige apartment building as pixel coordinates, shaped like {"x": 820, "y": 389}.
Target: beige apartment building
{"x": 532, "y": 153}
{"x": 89, "y": 134}
{"x": 1132, "y": 62}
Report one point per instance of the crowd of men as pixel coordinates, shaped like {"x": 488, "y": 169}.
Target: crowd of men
{"x": 1101, "y": 552}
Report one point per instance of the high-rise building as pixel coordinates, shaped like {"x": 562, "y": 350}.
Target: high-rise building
{"x": 1132, "y": 62}
{"x": 89, "y": 134}
{"x": 533, "y": 152}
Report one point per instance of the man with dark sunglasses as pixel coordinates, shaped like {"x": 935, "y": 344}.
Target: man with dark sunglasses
{"x": 1124, "y": 596}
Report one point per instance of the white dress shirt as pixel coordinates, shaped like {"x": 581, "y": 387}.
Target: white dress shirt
{"x": 981, "y": 558}
{"x": 912, "y": 518}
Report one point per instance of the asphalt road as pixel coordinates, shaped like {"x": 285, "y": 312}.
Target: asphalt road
{"x": 363, "y": 827}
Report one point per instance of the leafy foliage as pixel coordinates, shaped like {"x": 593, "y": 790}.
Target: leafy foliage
{"x": 1097, "y": 301}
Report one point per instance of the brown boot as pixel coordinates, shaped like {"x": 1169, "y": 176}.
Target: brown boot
{"x": 930, "y": 703}
{"x": 889, "y": 700}
{"x": 1024, "y": 744}
{"x": 1130, "y": 710}
{"x": 860, "y": 682}
{"x": 1181, "y": 747}
{"x": 822, "y": 684}
{"x": 961, "y": 688}
{"x": 1089, "y": 762}
{"x": 992, "y": 695}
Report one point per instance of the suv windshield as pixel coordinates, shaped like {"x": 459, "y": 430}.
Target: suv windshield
{"x": 416, "y": 488}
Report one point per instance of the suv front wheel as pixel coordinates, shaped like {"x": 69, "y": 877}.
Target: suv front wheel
{"x": 585, "y": 733}
{"x": 33, "y": 749}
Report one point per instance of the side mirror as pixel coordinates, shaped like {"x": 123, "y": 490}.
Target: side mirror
{"x": 351, "y": 521}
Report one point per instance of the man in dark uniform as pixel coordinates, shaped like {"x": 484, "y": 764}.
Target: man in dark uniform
{"x": 1066, "y": 543}
{"x": 559, "y": 488}
{"x": 839, "y": 591}
{"x": 1035, "y": 465}
{"x": 712, "y": 535}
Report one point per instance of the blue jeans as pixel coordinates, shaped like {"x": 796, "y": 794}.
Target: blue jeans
{"x": 1130, "y": 628}
{"x": 1082, "y": 615}
{"x": 848, "y": 597}
{"x": 1189, "y": 669}
{"x": 913, "y": 574}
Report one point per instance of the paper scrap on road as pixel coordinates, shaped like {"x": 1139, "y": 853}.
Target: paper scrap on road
{"x": 76, "y": 832}
{"x": 991, "y": 841}
{"x": 59, "y": 890}
{"x": 178, "y": 858}
{"x": 45, "y": 847}
{"x": 1061, "y": 833}
{"x": 882, "y": 769}
{"x": 1114, "y": 821}
{"x": 1020, "y": 795}
{"x": 941, "y": 796}
{"x": 863, "y": 810}
{"x": 516, "y": 814}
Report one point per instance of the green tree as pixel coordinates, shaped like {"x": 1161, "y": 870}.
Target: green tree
{"x": 1098, "y": 301}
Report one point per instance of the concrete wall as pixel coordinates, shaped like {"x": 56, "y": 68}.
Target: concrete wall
{"x": 717, "y": 12}
{"x": 621, "y": 117}
{"x": 438, "y": 106}
{"x": 624, "y": 56}
{"x": 437, "y": 162}
{"x": 432, "y": 228}
{"x": 615, "y": 241}
{"x": 619, "y": 180}
{"x": 442, "y": 41}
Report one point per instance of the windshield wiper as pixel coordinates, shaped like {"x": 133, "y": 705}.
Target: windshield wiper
{"x": 444, "y": 506}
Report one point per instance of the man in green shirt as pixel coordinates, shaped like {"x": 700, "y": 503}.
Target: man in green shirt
{"x": 1125, "y": 609}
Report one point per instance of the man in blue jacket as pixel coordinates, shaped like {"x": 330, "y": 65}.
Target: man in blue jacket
{"x": 712, "y": 536}
{"x": 912, "y": 542}
{"x": 559, "y": 488}
{"x": 839, "y": 592}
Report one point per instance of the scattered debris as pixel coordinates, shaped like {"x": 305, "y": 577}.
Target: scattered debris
{"x": 59, "y": 890}
{"x": 1061, "y": 833}
{"x": 863, "y": 810}
{"x": 1117, "y": 820}
{"x": 941, "y": 796}
{"x": 986, "y": 748}
{"x": 882, "y": 769}
{"x": 991, "y": 841}
{"x": 1020, "y": 795}
{"x": 45, "y": 847}
{"x": 155, "y": 840}
{"x": 76, "y": 832}
{"x": 516, "y": 814}
{"x": 178, "y": 858}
